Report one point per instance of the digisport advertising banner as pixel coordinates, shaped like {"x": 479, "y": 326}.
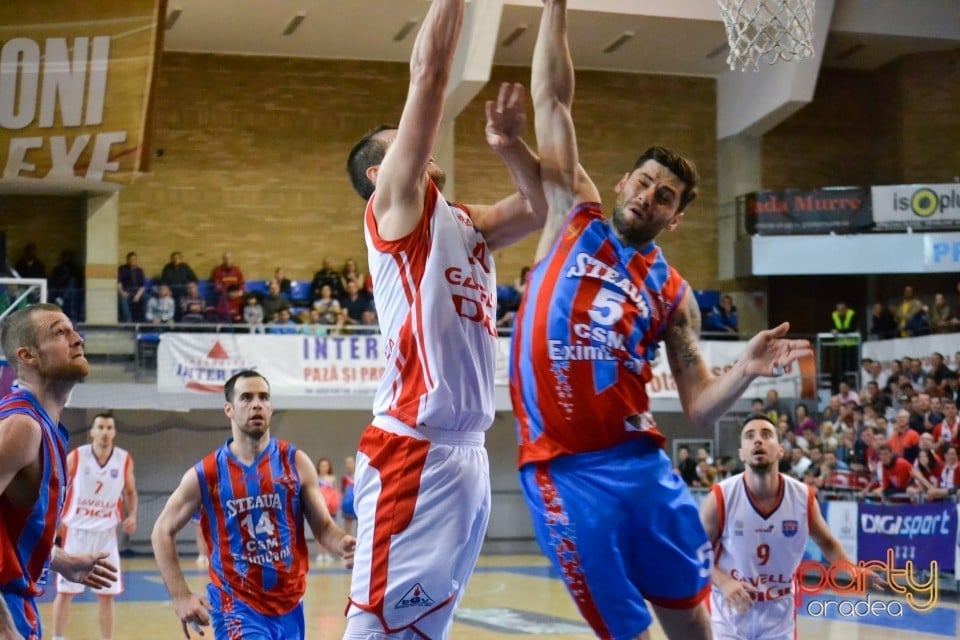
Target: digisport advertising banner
{"x": 919, "y": 206}
{"x": 795, "y": 211}
{"x": 921, "y": 533}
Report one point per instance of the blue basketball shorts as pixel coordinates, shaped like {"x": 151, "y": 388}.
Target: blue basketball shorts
{"x": 620, "y": 527}
{"x": 234, "y": 620}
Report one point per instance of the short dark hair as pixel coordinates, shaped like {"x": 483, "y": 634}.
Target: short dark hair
{"x": 232, "y": 382}
{"x": 368, "y": 152}
{"x": 680, "y": 166}
{"x": 760, "y": 416}
{"x": 106, "y": 415}
{"x": 18, "y": 330}
{"x": 131, "y": 253}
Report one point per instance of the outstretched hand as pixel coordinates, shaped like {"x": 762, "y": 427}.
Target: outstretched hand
{"x": 770, "y": 353}
{"x": 89, "y": 569}
{"x": 507, "y": 117}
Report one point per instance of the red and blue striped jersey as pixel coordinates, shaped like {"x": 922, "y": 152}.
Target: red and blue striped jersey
{"x": 27, "y": 533}
{"x": 588, "y": 327}
{"x": 253, "y": 522}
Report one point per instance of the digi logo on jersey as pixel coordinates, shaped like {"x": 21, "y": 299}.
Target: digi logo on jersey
{"x": 475, "y": 302}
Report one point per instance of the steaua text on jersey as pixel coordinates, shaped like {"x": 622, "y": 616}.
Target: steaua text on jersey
{"x": 252, "y": 520}
{"x": 586, "y": 332}
{"x": 26, "y": 534}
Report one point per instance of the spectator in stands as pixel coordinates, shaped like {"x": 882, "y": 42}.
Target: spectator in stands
{"x": 895, "y": 472}
{"x": 726, "y": 466}
{"x": 273, "y": 302}
{"x": 774, "y": 408}
{"x": 253, "y": 313}
{"x": 841, "y": 361}
{"x": 947, "y": 431}
{"x": 756, "y": 407}
{"x": 706, "y": 474}
{"x": 228, "y": 282}
{"x": 368, "y": 324}
{"x": 284, "y": 324}
{"x": 353, "y": 303}
{"x": 939, "y": 371}
{"x": 905, "y": 441}
{"x": 941, "y": 317}
{"x": 177, "y": 274}
{"x": 721, "y": 320}
{"x": 131, "y": 289}
{"x": 312, "y": 326}
{"x": 864, "y": 449}
{"x": 909, "y": 307}
{"x": 916, "y": 375}
{"x": 873, "y": 371}
{"x": 29, "y": 265}
{"x": 66, "y": 285}
{"x": 804, "y": 423}
{"x": 799, "y": 462}
{"x": 326, "y": 276}
{"x": 827, "y": 436}
{"x": 162, "y": 308}
{"x": 283, "y": 281}
{"x": 329, "y": 307}
{"x": 832, "y": 411}
{"x": 874, "y": 398}
{"x": 846, "y": 394}
{"x": 192, "y": 306}
{"x": 686, "y": 466}
{"x": 845, "y": 449}
{"x": 922, "y": 418}
{"x": 948, "y": 483}
{"x": 883, "y": 324}
{"x": 952, "y": 390}
{"x": 349, "y": 272}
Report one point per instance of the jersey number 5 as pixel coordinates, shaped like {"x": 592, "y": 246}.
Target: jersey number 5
{"x": 607, "y": 307}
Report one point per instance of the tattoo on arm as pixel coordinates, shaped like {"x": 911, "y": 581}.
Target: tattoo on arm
{"x": 682, "y": 335}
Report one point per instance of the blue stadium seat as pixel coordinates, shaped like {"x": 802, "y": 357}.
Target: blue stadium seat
{"x": 706, "y": 298}
{"x": 207, "y": 292}
{"x": 259, "y": 287}
{"x": 300, "y": 293}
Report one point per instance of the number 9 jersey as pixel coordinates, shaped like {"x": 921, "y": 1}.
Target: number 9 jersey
{"x": 586, "y": 333}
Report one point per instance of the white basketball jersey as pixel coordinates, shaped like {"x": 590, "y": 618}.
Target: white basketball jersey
{"x": 95, "y": 491}
{"x": 763, "y": 550}
{"x": 435, "y": 292}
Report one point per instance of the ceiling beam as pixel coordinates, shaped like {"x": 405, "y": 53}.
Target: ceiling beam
{"x": 474, "y": 57}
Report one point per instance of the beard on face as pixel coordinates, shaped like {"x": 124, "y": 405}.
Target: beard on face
{"x": 635, "y": 235}
{"x": 72, "y": 371}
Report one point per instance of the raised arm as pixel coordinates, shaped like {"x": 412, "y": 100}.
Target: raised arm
{"x": 565, "y": 184}
{"x": 401, "y": 182}
{"x": 706, "y": 397}
{"x": 325, "y": 530}
{"x": 522, "y": 213}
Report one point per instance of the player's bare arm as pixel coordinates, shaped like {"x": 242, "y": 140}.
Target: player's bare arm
{"x": 19, "y": 459}
{"x": 565, "y": 184}
{"x": 520, "y": 214}
{"x": 705, "y": 397}
{"x": 833, "y": 550}
{"x": 325, "y": 530}
{"x": 183, "y": 503}
{"x": 401, "y": 178}
{"x": 131, "y": 499}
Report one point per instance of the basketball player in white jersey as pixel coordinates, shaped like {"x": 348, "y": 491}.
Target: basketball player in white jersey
{"x": 422, "y": 491}
{"x": 759, "y": 522}
{"x": 101, "y": 488}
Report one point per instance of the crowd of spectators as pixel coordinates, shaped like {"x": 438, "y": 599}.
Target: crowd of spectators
{"x": 896, "y": 438}
{"x": 914, "y": 316}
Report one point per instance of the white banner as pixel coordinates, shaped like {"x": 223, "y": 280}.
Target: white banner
{"x": 921, "y": 206}
{"x": 299, "y": 365}
{"x": 842, "y": 522}
{"x": 295, "y": 365}
{"x": 886, "y": 351}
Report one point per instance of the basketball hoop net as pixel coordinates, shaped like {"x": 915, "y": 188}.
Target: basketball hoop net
{"x": 769, "y": 30}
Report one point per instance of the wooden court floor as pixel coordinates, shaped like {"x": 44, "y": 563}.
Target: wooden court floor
{"x": 510, "y": 596}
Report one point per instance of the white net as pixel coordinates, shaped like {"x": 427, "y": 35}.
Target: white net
{"x": 768, "y": 30}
